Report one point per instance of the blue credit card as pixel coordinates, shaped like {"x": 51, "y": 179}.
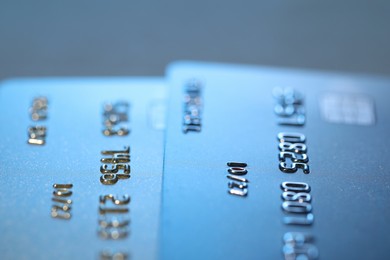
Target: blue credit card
{"x": 81, "y": 168}
{"x": 259, "y": 163}
{"x": 264, "y": 163}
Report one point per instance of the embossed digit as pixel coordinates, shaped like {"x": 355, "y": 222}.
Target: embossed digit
{"x": 293, "y": 147}
{"x": 303, "y": 158}
{"x": 108, "y": 179}
{"x": 295, "y": 186}
{"x": 296, "y": 207}
{"x": 115, "y": 168}
{"x": 294, "y": 196}
{"x": 291, "y": 137}
{"x": 293, "y": 167}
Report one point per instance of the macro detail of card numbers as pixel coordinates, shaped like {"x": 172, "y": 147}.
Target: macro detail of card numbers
{"x": 296, "y": 195}
{"x": 237, "y": 162}
{"x": 89, "y": 186}
{"x": 250, "y": 131}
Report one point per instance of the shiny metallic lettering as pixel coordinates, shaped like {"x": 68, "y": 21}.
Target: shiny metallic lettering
{"x": 239, "y": 185}
{"x": 293, "y": 167}
{"x": 61, "y": 209}
{"x": 237, "y": 170}
{"x": 295, "y": 186}
{"x": 291, "y": 137}
{"x": 116, "y": 166}
{"x": 114, "y": 152}
{"x": 37, "y": 135}
{"x": 298, "y": 148}
{"x": 237, "y": 178}
{"x": 241, "y": 193}
{"x": 294, "y": 157}
{"x": 294, "y": 196}
{"x": 237, "y": 164}
{"x": 296, "y": 207}
{"x": 297, "y": 203}
{"x": 293, "y": 153}
{"x": 105, "y": 210}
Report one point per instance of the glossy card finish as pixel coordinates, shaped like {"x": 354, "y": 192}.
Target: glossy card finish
{"x": 54, "y": 132}
{"x": 334, "y": 127}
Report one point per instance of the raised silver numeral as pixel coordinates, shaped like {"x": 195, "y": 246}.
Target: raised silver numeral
{"x": 119, "y": 162}
{"x": 239, "y": 185}
{"x": 295, "y": 186}
{"x": 61, "y": 209}
{"x": 291, "y": 138}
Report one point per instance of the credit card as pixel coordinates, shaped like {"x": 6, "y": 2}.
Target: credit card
{"x": 266, "y": 163}
{"x": 81, "y": 171}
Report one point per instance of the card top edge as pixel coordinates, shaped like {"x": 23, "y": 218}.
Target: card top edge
{"x": 253, "y": 68}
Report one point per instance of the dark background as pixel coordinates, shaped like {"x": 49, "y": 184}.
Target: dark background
{"x": 140, "y": 37}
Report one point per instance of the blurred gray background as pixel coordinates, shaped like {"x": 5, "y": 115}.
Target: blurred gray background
{"x": 140, "y": 37}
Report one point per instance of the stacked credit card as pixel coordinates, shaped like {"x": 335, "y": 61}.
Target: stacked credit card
{"x": 213, "y": 161}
